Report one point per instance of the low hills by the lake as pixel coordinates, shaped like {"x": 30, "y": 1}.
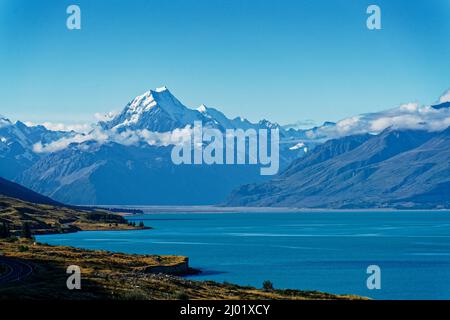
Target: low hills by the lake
{"x": 21, "y": 206}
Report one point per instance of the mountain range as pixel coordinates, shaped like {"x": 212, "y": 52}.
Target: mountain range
{"x": 393, "y": 158}
{"x": 126, "y": 159}
{"x": 397, "y": 168}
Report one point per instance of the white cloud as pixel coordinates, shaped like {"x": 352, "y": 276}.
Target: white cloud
{"x": 105, "y": 117}
{"x": 409, "y": 107}
{"x": 127, "y": 138}
{"x": 94, "y": 135}
{"x": 406, "y": 116}
{"x": 445, "y": 97}
{"x": 348, "y": 125}
{"x": 77, "y": 127}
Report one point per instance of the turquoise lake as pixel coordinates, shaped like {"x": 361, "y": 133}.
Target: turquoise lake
{"x": 316, "y": 251}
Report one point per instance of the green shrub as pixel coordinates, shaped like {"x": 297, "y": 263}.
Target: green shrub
{"x": 267, "y": 285}
{"x": 26, "y": 230}
{"x": 136, "y": 294}
{"x": 182, "y": 296}
{"x": 5, "y": 230}
{"x": 23, "y": 248}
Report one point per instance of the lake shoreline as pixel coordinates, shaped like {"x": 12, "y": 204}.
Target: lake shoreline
{"x": 110, "y": 275}
{"x": 218, "y": 210}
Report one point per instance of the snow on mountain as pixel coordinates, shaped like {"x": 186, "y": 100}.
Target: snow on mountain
{"x": 126, "y": 156}
{"x": 159, "y": 110}
{"x": 153, "y": 116}
{"x": 216, "y": 116}
{"x": 158, "y": 118}
{"x": 155, "y": 110}
{"x": 224, "y": 122}
{"x": 300, "y": 145}
{"x": 16, "y": 145}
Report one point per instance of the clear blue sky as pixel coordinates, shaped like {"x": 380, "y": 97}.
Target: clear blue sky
{"x": 281, "y": 60}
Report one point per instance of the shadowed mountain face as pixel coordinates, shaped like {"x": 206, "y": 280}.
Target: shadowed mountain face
{"x": 117, "y": 174}
{"x": 14, "y": 190}
{"x": 442, "y": 105}
{"x": 403, "y": 169}
{"x": 16, "y": 146}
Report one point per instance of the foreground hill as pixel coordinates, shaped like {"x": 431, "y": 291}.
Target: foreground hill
{"x": 14, "y": 190}
{"x": 395, "y": 169}
{"x": 107, "y": 275}
{"x": 43, "y": 218}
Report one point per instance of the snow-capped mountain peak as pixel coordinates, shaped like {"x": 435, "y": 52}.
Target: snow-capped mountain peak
{"x": 155, "y": 110}
{"x": 202, "y": 108}
{"x": 264, "y": 123}
{"x": 159, "y": 110}
{"x": 161, "y": 89}
{"x": 159, "y": 97}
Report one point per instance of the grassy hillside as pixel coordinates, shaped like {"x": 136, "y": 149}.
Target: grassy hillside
{"x": 107, "y": 275}
{"x": 44, "y": 218}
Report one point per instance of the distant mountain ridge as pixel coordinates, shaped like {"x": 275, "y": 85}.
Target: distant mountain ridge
{"x": 395, "y": 169}
{"x": 16, "y": 145}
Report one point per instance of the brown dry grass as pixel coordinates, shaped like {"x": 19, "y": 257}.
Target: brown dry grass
{"x": 107, "y": 275}
{"x": 51, "y": 219}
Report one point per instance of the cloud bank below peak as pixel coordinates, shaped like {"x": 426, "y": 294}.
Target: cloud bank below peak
{"x": 127, "y": 138}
